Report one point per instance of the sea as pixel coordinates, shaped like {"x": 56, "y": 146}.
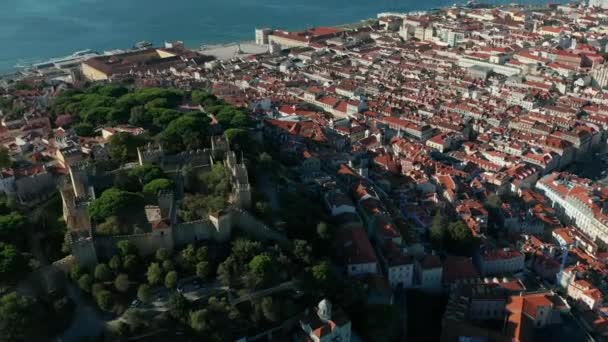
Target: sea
{"x": 33, "y": 31}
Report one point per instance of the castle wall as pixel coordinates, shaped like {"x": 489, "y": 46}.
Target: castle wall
{"x": 185, "y": 233}
{"x": 84, "y": 253}
{"x": 252, "y": 226}
{"x": 146, "y": 244}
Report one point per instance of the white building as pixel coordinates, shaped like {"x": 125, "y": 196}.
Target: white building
{"x": 500, "y": 261}
{"x": 598, "y": 3}
{"x": 577, "y": 199}
{"x": 261, "y": 35}
{"x": 430, "y": 273}
{"x": 323, "y": 325}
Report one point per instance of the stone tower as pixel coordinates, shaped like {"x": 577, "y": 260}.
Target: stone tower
{"x": 150, "y": 154}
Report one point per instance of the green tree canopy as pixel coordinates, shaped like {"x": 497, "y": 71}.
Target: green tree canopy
{"x": 115, "y": 263}
{"x": 84, "y": 129}
{"x": 122, "y": 283}
{"x": 147, "y": 173}
{"x": 324, "y": 231}
{"x": 111, "y": 226}
{"x": 171, "y": 280}
{"x": 271, "y": 309}
{"x": 131, "y": 263}
{"x": 187, "y": 132}
{"x": 126, "y": 247}
{"x": 105, "y": 300}
{"x": 438, "y": 231}
{"x": 85, "y": 282}
{"x": 11, "y": 226}
{"x": 144, "y": 293}
{"x": 103, "y": 272}
{"x": 160, "y": 184}
{"x": 203, "y": 270}
{"x": 162, "y": 254}
{"x": 116, "y": 202}
{"x": 154, "y": 274}
{"x": 178, "y": 305}
{"x": 18, "y": 317}
{"x": 12, "y": 262}
{"x": 123, "y": 146}
{"x": 461, "y": 240}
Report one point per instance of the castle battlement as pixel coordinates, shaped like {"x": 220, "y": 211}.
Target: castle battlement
{"x": 166, "y": 232}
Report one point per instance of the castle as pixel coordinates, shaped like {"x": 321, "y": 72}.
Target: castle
{"x": 165, "y": 230}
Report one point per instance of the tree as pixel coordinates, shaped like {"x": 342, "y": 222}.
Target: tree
{"x": 123, "y": 146}
{"x": 461, "y": 240}
{"x": 11, "y": 225}
{"x": 5, "y": 158}
{"x": 303, "y": 251}
{"x": 126, "y": 247}
{"x": 203, "y": 270}
{"x": 234, "y": 134}
{"x": 168, "y": 265}
{"x": 123, "y": 181}
{"x": 187, "y": 132}
{"x": 438, "y": 231}
{"x": 131, "y": 263}
{"x": 115, "y": 263}
{"x": 121, "y": 283}
{"x": 146, "y": 173}
{"x": 198, "y": 320}
{"x": 12, "y": 263}
{"x": 76, "y": 272}
{"x": 17, "y": 317}
{"x": 154, "y": 274}
{"x": 116, "y": 202}
{"x": 162, "y": 254}
{"x": 84, "y": 130}
{"x": 188, "y": 257}
{"x": 178, "y": 305}
{"x": 202, "y": 253}
{"x": 160, "y": 184}
{"x": 96, "y": 288}
{"x": 320, "y": 277}
{"x": 244, "y": 250}
{"x": 271, "y": 309}
{"x": 263, "y": 210}
{"x": 260, "y": 269}
{"x": 104, "y": 300}
{"x": 85, "y": 282}
{"x": 103, "y": 272}
{"x": 171, "y": 280}
{"x": 260, "y": 264}
{"x": 203, "y": 98}
{"x": 324, "y": 231}
{"x": 144, "y": 293}
{"x": 111, "y": 226}
{"x": 227, "y": 270}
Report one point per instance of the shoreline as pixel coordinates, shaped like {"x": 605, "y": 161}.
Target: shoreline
{"x": 23, "y": 67}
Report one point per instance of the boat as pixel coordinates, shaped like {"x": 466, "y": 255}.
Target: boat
{"x": 66, "y": 61}
{"x": 144, "y": 44}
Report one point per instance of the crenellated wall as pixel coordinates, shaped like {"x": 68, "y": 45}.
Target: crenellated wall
{"x": 146, "y": 244}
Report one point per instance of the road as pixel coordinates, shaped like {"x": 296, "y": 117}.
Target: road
{"x": 190, "y": 287}
{"x": 263, "y": 293}
{"x": 87, "y": 322}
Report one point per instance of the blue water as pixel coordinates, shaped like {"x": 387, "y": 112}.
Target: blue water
{"x": 35, "y": 30}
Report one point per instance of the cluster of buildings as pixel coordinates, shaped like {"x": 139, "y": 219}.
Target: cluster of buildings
{"x": 393, "y": 121}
